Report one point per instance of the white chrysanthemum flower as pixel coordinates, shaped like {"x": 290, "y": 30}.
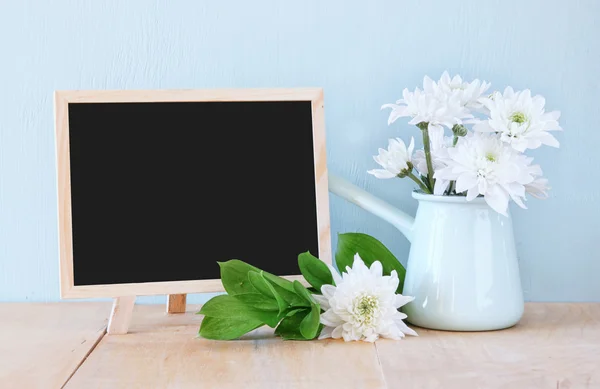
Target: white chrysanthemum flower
{"x": 520, "y": 119}
{"x": 439, "y": 110}
{"x": 363, "y": 305}
{"x": 439, "y": 153}
{"x": 469, "y": 94}
{"x": 481, "y": 164}
{"x": 395, "y": 160}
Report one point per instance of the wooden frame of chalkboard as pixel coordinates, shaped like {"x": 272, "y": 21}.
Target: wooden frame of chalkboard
{"x": 68, "y": 288}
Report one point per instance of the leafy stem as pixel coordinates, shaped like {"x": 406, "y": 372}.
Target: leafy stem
{"x": 451, "y": 187}
{"x": 427, "y": 147}
{"x": 423, "y": 187}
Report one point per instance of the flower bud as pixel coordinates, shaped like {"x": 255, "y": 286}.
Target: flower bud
{"x": 459, "y": 130}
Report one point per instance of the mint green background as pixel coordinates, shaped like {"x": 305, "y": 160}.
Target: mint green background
{"x": 363, "y": 53}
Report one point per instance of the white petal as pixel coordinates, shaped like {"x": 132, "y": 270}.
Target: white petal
{"x": 553, "y": 115}
{"x": 393, "y": 333}
{"x": 336, "y": 276}
{"x": 535, "y": 170}
{"x": 516, "y": 192}
{"x": 331, "y": 319}
{"x": 358, "y": 264}
{"x": 518, "y": 201}
{"x": 322, "y": 301}
{"x": 472, "y": 193}
{"x": 445, "y": 77}
{"x": 465, "y": 182}
{"x": 404, "y": 328}
{"x": 402, "y": 300}
{"x": 427, "y": 84}
{"x": 376, "y": 269}
{"x": 381, "y": 173}
{"x": 328, "y": 291}
{"x": 325, "y": 333}
{"x": 411, "y": 147}
{"x": 337, "y": 332}
{"x": 520, "y": 145}
{"x": 549, "y": 140}
{"x": 440, "y": 186}
{"x": 348, "y": 337}
{"x": 436, "y": 134}
{"x": 416, "y": 120}
{"x": 497, "y": 198}
{"x": 392, "y": 106}
{"x": 445, "y": 173}
{"x": 371, "y": 338}
{"x": 396, "y": 114}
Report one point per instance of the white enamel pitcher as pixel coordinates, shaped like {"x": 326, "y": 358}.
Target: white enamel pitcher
{"x": 462, "y": 267}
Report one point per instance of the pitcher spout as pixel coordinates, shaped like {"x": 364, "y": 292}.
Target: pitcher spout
{"x": 346, "y": 190}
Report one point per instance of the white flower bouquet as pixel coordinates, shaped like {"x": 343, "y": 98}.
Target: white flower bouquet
{"x": 488, "y": 159}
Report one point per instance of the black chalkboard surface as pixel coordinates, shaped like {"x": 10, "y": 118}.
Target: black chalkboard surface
{"x": 162, "y": 190}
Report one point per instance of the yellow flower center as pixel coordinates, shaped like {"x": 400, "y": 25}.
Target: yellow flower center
{"x": 518, "y": 117}
{"x": 365, "y": 309}
{"x": 490, "y": 157}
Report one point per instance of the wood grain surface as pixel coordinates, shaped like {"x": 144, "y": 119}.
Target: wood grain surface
{"x": 41, "y": 345}
{"x": 163, "y": 351}
{"x": 554, "y": 346}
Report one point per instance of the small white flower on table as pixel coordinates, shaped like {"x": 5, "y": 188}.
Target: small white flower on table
{"x": 363, "y": 305}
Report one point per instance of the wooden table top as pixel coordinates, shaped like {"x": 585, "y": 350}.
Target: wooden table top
{"x": 47, "y": 346}
{"x": 42, "y": 345}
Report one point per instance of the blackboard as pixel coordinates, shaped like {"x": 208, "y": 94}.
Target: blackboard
{"x": 164, "y": 188}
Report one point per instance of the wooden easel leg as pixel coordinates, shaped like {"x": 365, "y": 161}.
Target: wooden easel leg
{"x": 120, "y": 316}
{"x": 176, "y": 303}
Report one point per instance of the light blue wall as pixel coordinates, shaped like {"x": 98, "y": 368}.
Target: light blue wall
{"x": 363, "y": 53}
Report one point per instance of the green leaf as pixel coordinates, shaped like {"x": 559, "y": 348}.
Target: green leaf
{"x": 314, "y": 270}
{"x": 289, "y": 327}
{"x": 264, "y": 287}
{"x": 229, "y": 307}
{"x": 291, "y": 297}
{"x": 258, "y": 301}
{"x": 234, "y": 277}
{"x": 260, "y": 283}
{"x": 285, "y": 289}
{"x": 370, "y": 250}
{"x": 281, "y": 303}
{"x": 310, "y": 324}
{"x": 303, "y": 292}
{"x": 293, "y": 311}
{"x": 226, "y": 328}
{"x": 279, "y": 281}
